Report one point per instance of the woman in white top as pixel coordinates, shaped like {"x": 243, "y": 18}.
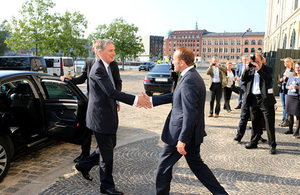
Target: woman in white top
{"x": 227, "y": 89}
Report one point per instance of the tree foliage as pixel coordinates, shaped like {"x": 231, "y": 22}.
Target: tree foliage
{"x": 47, "y": 33}
{"x": 126, "y": 42}
{"x": 3, "y": 34}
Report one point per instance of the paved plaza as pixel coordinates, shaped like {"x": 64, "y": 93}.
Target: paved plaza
{"x": 50, "y": 170}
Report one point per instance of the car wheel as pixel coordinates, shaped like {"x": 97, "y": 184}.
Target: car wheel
{"x": 149, "y": 93}
{"x": 6, "y": 152}
{"x": 139, "y": 69}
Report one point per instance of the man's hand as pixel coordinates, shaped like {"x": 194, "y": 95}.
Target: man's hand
{"x": 143, "y": 102}
{"x": 180, "y": 148}
{"x": 62, "y": 78}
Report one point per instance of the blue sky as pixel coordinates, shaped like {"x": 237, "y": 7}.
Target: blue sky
{"x": 157, "y": 17}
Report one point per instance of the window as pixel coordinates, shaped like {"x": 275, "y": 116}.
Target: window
{"x": 204, "y": 42}
{"x": 232, "y": 57}
{"x": 209, "y": 42}
{"x": 238, "y": 42}
{"x": 209, "y": 49}
{"x": 58, "y": 91}
{"x": 246, "y": 42}
{"x": 225, "y": 50}
{"x": 259, "y": 42}
{"x": 253, "y": 42}
{"x": 232, "y": 42}
{"x": 238, "y": 50}
{"x": 216, "y": 49}
{"x": 221, "y": 50}
{"x": 232, "y": 50}
{"x": 216, "y": 42}
{"x": 221, "y": 42}
{"x": 204, "y": 49}
{"x": 246, "y": 50}
{"x": 220, "y": 57}
{"x": 252, "y": 50}
{"x": 284, "y": 42}
{"x": 296, "y": 5}
{"x": 292, "y": 43}
{"x": 225, "y": 42}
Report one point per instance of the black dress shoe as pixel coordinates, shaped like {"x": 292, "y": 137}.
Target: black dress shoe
{"x": 288, "y": 132}
{"x": 80, "y": 157}
{"x": 237, "y": 139}
{"x": 272, "y": 150}
{"x": 238, "y": 107}
{"x": 110, "y": 191}
{"x": 84, "y": 173}
{"x": 251, "y": 146}
{"x": 263, "y": 140}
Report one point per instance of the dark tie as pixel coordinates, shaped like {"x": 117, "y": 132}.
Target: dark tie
{"x": 110, "y": 77}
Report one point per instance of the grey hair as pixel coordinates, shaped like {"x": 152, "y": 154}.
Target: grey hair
{"x": 101, "y": 45}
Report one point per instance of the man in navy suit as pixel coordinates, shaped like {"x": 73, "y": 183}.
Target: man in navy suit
{"x": 183, "y": 131}
{"x": 102, "y": 116}
{"x": 86, "y": 144}
{"x": 239, "y": 72}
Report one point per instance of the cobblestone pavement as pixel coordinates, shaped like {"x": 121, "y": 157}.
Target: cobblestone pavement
{"x": 50, "y": 170}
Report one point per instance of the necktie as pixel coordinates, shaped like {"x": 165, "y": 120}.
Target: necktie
{"x": 110, "y": 77}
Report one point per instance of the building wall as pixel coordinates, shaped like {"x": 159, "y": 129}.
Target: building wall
{"x": 282, "y": 24}
{"x": 205, "y": 45}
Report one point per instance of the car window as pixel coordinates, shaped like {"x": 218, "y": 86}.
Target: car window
{"x": 49, "y": 62}
{"x": 55, "y": 90}
{"x": 161, "y": 68}
{"x": 15, "y": 90}
{"x": 68, "y": 62}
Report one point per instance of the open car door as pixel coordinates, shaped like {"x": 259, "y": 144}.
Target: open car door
{"x": 65, "y": 107}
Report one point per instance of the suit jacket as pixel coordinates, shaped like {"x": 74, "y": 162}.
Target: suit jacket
{"x": 265, "y": 84}
{"x": 211, "y": 73}
{"x": 239, "y": 72}
{"x": 185, "y": 121}
{"x": 86, "y": 72}
{"x": 102, "y": 115}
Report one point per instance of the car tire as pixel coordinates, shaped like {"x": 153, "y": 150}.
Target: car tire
{"x": 149, "y": 93}
{"x": 139, "y": 69}
{"x": 6, "y": 153}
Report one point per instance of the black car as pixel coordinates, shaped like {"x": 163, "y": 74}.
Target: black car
{"x": 146, "y": 66}
{"x": 35, "y": 107}
{"x": 158, "y": 80}
{"x": 28, "y": 63}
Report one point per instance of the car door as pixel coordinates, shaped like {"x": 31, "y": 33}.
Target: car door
{"x": 65, "y": 107}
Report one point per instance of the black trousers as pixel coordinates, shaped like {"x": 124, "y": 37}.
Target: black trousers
{"x": 259, "y": 110}
{"x": 227, "y": 96}
{"x": 86, "y": 144}
{"x": 216, "y": 94}
{"x": 245, "y": 115}
{"x": 170, "y": 156}
{"x": 103, "y": 156}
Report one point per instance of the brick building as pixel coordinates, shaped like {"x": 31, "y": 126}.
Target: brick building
{"x": 205, "y": 45}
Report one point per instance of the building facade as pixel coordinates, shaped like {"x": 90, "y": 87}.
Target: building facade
{"x": 282, "y": 25}
{"x": 205, "y": 45}
{"x": 153, "y": 46}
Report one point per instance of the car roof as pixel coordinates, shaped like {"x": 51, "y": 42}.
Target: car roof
{"x": 10, "y": 73}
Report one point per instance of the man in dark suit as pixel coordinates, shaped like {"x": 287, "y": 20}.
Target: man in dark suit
{"x": 183, "y": 131}
{"x": 102, "y": 116}
{"x": 259, "y": 96}
{"x": 238, "y": 73}
{"x": 86, "y": 145}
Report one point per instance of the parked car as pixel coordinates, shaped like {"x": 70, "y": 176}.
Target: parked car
{"x": 35, "y": 107}
{"x": 59, "y": 66}
{"x": 28, "y": 63}
{"x": 158, "y": 80}
{"x": 146, "y": 66}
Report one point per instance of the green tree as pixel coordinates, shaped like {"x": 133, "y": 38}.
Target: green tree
{"x": 34, "y": 29}
{"x": 70, "y": 35}
{"x": 47, "y": 33}
{"x": 127, "y": 43}
{"x": 150, "y": 56}
{"x": 160, "y": 56}
{"x": 3, "y": 34}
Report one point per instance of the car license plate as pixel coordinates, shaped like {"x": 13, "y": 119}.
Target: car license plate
{"x": 161, "y": 79}
{"x": 69, "y": 75}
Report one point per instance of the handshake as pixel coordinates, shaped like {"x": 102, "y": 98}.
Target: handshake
{"x": 144, "y": 101}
